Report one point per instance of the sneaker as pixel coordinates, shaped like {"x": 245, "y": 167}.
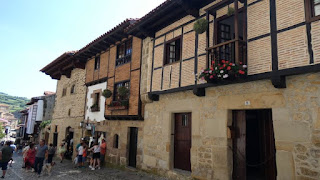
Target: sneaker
{"x": 92, "y": 169}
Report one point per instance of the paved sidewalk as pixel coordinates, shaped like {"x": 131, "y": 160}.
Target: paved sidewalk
{"x": 66, "y": 170}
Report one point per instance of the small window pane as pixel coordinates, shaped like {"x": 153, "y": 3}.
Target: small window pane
{"x": 317, "y": 10}
{"x": 184, "y": 120}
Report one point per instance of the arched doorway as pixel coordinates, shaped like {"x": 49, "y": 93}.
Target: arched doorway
{"x": 69, "y": 142}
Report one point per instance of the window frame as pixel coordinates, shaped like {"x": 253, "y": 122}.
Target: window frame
{"x": 115, "y": 89}
{"x": 97, "y": 63}
{"x": 127, "y": 52}
{"x": 166, "y": 57}
{"x": 116, "y": 141}
{"x": 72, "y": 91}
{"x": 309, "y": 11}
{"x": 96, "y": 99}
{"x": 64, "y": 92}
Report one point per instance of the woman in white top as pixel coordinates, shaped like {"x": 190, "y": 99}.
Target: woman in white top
{"x": 95, "y": 156}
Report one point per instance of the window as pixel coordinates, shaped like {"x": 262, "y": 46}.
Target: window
{"x": 185, "y": 120}
{"x": 116, "y": 86}
{"x": 116, "y": 141}
{"x": 315, "y": 4}
{"x": 64, "y": 91}
{"x": 97, "y": 63}
{"x": 173, "y": 51}
{"x": 97, "y": 98}
{"x": 124, "y": 51}
{"x": 72, "y": 89}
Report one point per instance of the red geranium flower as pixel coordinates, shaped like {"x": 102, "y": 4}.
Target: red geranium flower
{"x": 223, "y": 61}
{"x": 229, "y": 67}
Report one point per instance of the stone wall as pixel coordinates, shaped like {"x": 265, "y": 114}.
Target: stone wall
{"x": 296, "y": 121}
{"x": 69, "y": 109}
{"x": 49, "y": 102}
{"x": 120, "y": 155}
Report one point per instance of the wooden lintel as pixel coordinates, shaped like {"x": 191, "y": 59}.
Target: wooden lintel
{"x": 278, "y": 81}
{"x": 154, "y": 97}
{"x": 199, "y": 91}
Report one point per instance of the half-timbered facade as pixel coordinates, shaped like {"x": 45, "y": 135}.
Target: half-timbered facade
{"x": 264, "y": 122}
{"x": 113, "y": 68}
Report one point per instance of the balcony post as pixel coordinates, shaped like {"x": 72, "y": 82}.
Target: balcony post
{"x": 236, "y": 30}
{"x": 207, "y": 40}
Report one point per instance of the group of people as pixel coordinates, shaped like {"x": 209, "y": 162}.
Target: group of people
{"x": 96, "y": 153}
{"x": 34, "y": 156}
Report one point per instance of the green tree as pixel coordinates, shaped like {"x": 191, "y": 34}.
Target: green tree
{"x": 2, "y": 134}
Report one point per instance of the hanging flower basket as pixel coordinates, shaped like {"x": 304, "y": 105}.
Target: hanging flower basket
{"x": 107, "y": 93}
{"x": 200, "y": 26}
{"x": 118, "y": 105}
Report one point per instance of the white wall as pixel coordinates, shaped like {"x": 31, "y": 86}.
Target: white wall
{"x": 39, "y": 110}
{"x": 95, "y": 116}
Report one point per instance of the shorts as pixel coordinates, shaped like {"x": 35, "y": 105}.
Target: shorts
{"x": 4, "y": 165}
{"x": 96, "y": 155}
{"x": 79, "y": 158}
{"x": 84, "y": 159}
{"x": 50, "y": 157}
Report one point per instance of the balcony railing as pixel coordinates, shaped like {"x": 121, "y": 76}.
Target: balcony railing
{"x": 234, "y": 51}
{"x": 123, "y": 60}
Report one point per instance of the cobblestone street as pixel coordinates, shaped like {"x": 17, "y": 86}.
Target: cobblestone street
{"x": 66, "y": 170}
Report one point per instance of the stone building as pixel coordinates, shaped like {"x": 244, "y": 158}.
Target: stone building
{"x": 113, "y": 61}
{"x": 69, "y": 101}
{"x": 266, "y": 125}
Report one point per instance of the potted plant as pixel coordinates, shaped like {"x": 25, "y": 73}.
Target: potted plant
{"x": 200, "y": 26}
{"x": 230, "y": 11}
{"x": 94, "y": 108}
{"x": 107, "y": 93}
{"x": 122, "y": 101}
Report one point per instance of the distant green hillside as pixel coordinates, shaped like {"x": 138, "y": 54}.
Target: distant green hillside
{"x": 16, "y": 103}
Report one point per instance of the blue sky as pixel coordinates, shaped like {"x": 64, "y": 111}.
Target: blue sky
{"x": 35, "y": 32}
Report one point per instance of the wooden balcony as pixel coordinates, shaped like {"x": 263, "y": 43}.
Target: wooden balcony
{"x": 234, "y": 51}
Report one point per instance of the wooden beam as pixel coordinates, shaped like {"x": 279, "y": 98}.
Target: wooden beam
{"x": 146, "y": 32}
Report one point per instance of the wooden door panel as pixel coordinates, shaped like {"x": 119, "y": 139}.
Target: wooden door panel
{"x": 239, "y": 145}
{"x": 182, "y": 141}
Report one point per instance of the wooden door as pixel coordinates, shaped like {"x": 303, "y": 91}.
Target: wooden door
{"x": 239, "y": 145}
{"x": 133, "y": 146}
{"x": 46, "y": 137}
{"x": 268, "y": 149}
{"x": 182, "y": 141}
{"x": 55, "y": 139}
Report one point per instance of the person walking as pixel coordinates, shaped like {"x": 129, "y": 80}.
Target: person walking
{"x": 30, "y": 157}
{"x": 80, "y": 155}
{"x": 14, "y": 149}
{"x": 96, "y": 156}
{"x": 51, "y": 152}
{"x": 24, "y": 154}
{"x": 61, "y": 151}
{"x": 103, "y": 148}
{"x": 84, "y": 155}
{"x": 42, "y": 152}
{"x": 5, "y": 155}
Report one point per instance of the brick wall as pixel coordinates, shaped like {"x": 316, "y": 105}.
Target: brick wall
{"x": 136, "y": 53}
{"x": 315, "y": 32}
{"x": 112, "y": 61}
{"x": 290, "y": 13}
{"x": 258, "y": 19}
{"x": 104, "y": 59}
{"x": 134, "y": 92}
{"x": 89, "y": 70}
{"x": 293, "y": 48}
{"x": 122, "y": 72}
{"x": 158, "y": 56}
{"x": 259, "y": 59}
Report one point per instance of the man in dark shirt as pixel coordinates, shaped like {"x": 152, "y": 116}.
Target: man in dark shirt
{"x": 42, "y": 152}
{"x": 5, "y": 155}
